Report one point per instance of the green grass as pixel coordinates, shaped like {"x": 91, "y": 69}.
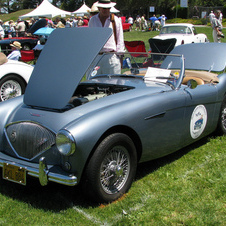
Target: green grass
{"x": 184, "y": 188}
{"x": 145, "y": 36}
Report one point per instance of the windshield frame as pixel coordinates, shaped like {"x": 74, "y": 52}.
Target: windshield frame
{"x": 139, "y": 72}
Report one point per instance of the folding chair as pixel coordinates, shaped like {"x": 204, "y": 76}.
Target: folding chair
{"x": 138, "y": 47}
{"x": 27, "y": 55}
{"x": 162, "y": 46}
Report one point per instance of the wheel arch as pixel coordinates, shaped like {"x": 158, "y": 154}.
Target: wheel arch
{"x": 118, "y": 129}
{"x": 14, "y": 74}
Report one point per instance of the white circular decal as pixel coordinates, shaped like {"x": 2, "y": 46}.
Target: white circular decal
{"x": 198, "y": 121}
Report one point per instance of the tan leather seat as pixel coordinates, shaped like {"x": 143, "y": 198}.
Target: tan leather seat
{"x": 198, "y": 80}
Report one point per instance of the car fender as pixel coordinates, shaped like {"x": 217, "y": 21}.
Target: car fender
{"x": 19, "y": 68}
{"x": 7, "y": 109}
{"x": 221, "y": 86}
{"x": 89, "y": 130}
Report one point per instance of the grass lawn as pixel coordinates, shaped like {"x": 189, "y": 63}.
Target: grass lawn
{"x": 184, "y": 188}
{"x": 145, "y": 36}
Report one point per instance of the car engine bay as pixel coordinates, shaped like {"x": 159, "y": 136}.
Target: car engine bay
{"x": 87, "y": 92}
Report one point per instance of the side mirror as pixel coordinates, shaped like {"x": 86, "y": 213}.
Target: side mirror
{"x": 192, "y": 84}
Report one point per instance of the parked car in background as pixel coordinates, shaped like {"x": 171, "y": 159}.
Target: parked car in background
{"x": 184, "y": 33}
{"x": 14, "y": 76}
{"x": 27, "y": 42}
{"x": 95, "y": 132}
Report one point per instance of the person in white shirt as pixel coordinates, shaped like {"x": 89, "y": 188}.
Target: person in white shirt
{"x": 217, "y": 27}
{"x": 20, "y": 28}
{"x": 130, "y": 20}
{"x": 15, "y": 54}
{"x": 163, "y": 20}
{"x": 211, "y": 16}
{"x": 2, "y": 32}
{"x": 111, "y": 62}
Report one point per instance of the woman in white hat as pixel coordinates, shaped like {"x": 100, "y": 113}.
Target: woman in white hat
{"x": 110, "y": 62}
{"x": 15, "y": 54}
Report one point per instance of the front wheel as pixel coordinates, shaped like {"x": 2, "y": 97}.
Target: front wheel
{"x": 111, "y": 169}
{"x": 11, "y": 86}
{"x": 222, "y": 118}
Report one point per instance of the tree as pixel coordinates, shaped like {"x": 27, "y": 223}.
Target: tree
{"x": 8, "y": 5}
{"x": 31, "y": 4}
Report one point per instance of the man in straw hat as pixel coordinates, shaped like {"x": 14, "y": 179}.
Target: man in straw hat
{"x": 15, "y": 54}
{"x": 110, "y": 62}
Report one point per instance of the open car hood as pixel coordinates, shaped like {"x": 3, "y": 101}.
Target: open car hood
{"x": 196, "y": 57}
{"x": 62, "y": 64}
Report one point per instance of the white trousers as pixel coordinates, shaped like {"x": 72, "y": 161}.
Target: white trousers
{"x": 215, "y": 37}
{"x": 109, "y": 64}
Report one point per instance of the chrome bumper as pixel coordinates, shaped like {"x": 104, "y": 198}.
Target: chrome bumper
{"x": 43, "y": 173}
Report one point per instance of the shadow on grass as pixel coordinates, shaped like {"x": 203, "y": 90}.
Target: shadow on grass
{"x": 56, "y": 197}
{"x": 146, "y": 168}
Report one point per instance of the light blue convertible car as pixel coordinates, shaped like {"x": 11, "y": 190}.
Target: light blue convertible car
{"x": 95, "y": 132}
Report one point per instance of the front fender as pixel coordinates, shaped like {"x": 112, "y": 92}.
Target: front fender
{"x": 19, "y": 68}
{"x": 7, "y": 108}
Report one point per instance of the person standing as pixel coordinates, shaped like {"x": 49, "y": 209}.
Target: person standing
{"x": 143, "y": 23}
{"x": 130, "y": 20}
{"x": 217, "y": 27}
{"x": 138, "y": 23}
{"x": 163, "y": 20}
{"x": 20, "y": 28}
{"x": 211, "y": 16}
{"x": 2, "y": 32}
{"x": 110, "y": 63}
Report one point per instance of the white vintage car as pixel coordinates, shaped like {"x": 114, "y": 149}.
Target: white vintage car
{"x": 14, "y": 76}
{"x": 184, "y": 33}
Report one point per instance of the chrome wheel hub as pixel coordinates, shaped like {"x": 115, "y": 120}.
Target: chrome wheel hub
{"x": 10, "y": 89}
{"x": 223, "y": 118}
{"x": 115, "y": 170}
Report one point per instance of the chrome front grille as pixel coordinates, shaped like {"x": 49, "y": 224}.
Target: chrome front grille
{"x": 29, "y": 139}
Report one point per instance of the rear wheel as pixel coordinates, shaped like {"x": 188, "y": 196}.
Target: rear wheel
{"x": 111, "y": 169}
{"x": 222, "y": 119}
{"x": 11, "y": 86}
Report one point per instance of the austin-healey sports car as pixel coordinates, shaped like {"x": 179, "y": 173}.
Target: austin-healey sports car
{"x": 75, "y": 125}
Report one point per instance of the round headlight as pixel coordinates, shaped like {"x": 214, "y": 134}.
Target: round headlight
{"x": 65, "y": 143}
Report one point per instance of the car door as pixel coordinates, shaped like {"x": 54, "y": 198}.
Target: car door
{"x": 199, "y": 112}
{"x": 164, "y": 124}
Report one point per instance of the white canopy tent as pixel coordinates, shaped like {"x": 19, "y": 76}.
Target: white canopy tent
{"x": 46, "y": 9}
{"x": 84, "y": 9}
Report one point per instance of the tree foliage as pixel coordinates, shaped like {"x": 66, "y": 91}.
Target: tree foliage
{"x": 127, "y": 7}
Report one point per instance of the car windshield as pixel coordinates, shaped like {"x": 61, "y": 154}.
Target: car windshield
{"x": 155, "y": 67}
{"x": 175, "y": 30}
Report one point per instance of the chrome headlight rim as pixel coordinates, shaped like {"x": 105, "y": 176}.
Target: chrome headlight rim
{"x": 65, "y": 143}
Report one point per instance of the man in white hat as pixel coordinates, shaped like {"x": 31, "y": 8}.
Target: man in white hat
{"x": 15, "y": 54}
{"x": 110, "y": 62}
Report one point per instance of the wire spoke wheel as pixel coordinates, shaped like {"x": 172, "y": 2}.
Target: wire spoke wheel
{"x": 10, "y": 89}
{"x": 111, "y": 169}
{"x": 115, "y": 170}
